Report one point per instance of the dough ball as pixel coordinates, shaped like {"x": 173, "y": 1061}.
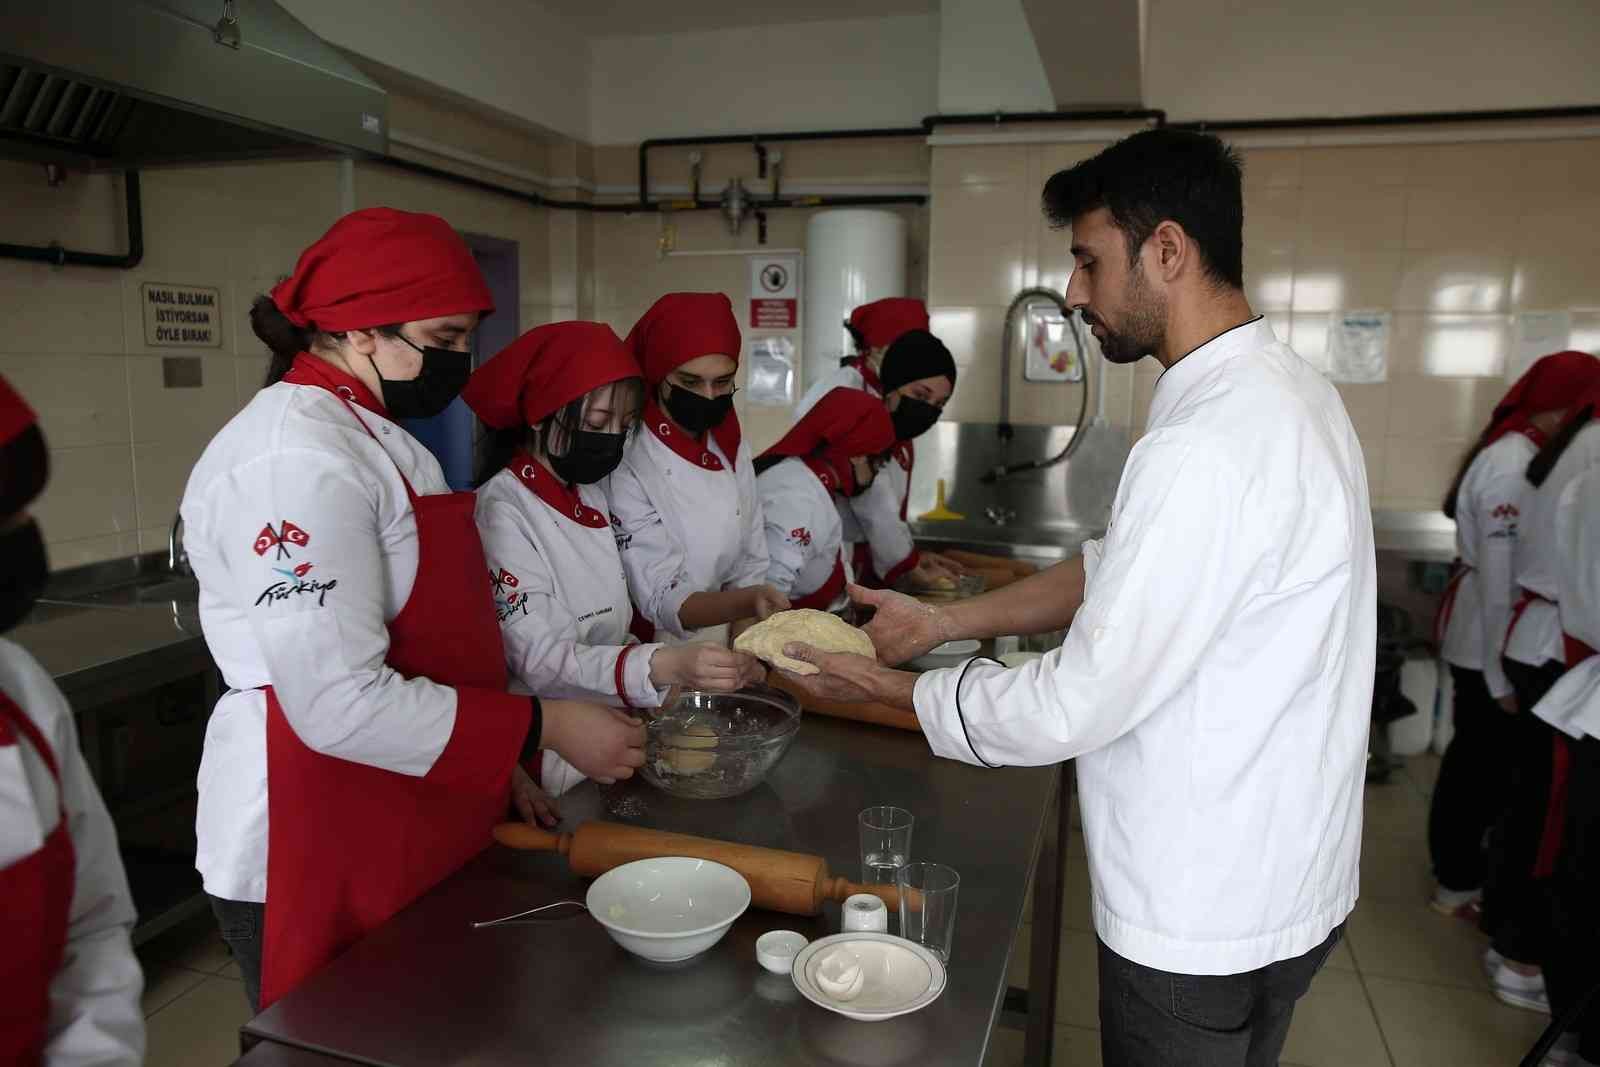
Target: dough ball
{"x": 819, "y": 629}
{"x": 685, "y": 752}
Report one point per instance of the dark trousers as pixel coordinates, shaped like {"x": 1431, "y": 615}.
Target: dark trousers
{"x": 1516, "y": 906}
{"x": 1573, "y": 966}
{"x": 1470, "y": 793}
{"x": 243, "y": 924}
{"x": 1151, "y": 1018}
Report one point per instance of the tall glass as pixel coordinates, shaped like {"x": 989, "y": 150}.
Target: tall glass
{"x": 928, "y": 906}
{"x": 885, "y": 843}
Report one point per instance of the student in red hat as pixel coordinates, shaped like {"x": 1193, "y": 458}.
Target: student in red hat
{"x": 911, "y": 371}
{"x": 833, "y": 453}
{"x": 563, "y": 400}
{"x": 67, "y": 967}
{"x": 367, "y": 743}
{"x": 684, "y": 502}
{"x": 1487, "y": 500}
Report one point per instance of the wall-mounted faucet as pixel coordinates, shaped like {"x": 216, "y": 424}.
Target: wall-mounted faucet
{"x": 177, "y": 558}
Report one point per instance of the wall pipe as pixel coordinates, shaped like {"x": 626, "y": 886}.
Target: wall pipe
{"x": 58, "y": 256}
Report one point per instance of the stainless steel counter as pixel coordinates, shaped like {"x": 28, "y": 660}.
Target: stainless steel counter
{"x": 426, "y": 989}
{"x": 106, "y": 650}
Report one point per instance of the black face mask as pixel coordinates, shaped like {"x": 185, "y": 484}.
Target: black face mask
{"x": 913, "y": 418}
{"x": 593, "y": 455}
{"x": 444, "y": 374}
{"x": 697, "y": 413}
{"x": 23, "y": 570}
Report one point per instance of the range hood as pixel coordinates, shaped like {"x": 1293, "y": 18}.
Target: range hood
{"x": 122, "y": 83}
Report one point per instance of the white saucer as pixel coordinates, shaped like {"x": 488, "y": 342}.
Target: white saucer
{"x": 901, "y": 975}
{"x": 948, "y": 654}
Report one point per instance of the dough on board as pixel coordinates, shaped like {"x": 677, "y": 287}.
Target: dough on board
{"x": 819, "y": 629}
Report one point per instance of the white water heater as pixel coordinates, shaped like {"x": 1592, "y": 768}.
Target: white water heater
{"x": 853, "y": 257}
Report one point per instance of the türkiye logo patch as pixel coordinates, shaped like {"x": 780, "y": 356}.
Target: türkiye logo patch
{"x": 800, "y": 535}
{"x": 282, "y": 539}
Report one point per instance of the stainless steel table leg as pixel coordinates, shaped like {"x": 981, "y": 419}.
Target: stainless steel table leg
{"x": 1045, "y": 952}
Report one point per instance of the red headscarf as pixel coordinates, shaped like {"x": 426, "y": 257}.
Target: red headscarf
{"x": 1553, "y": 382}
{"x": 680, "y": 327}
{"x": 15, "y": 414}
{"x": 379, "y": 266}
{"x": 880, "y": 323}
{"x": 844, "y": 423}
{"x": 545, "y": 369}
{"x": 24, "y": 459}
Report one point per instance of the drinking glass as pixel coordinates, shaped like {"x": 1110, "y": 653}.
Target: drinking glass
{"x": 928, "y": 905}
{"x": 885, "y": 843}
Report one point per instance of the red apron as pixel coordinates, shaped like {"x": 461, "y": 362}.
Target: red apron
{"x": 37, "y": 890}
{"x": 824, "y": 597}
{"x": 1447, "y": 603}
{"x": 349, "y": 845}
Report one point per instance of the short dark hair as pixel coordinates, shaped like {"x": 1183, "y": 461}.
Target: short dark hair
{"x": 1191, "y": 178}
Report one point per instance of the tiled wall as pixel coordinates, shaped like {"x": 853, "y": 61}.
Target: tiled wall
{"x": 629, "y": 272}
{"x": 72, "y": 341}
{"x": 1453, "y": 239}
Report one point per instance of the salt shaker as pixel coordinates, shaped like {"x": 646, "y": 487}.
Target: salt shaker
{"x": 865, "y": 912}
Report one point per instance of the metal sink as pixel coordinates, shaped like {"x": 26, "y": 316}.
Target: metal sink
{"x": 156, "y": 589}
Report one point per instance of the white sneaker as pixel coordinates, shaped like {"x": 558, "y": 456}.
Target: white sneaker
{"x": 1525, "y": 991}
{"x": 1564, "y": 1053}
{"x": 1457, "y": 903}
{"x": 1491, "y": 963}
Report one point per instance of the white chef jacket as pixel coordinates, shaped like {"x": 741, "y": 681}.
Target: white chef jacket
{"x": 95, "y": 1017}
{"x": 802, "y": 529}
{"x": 563, "y": 605}
{"x": 297, "y": 455}
{"x": 684, "y": 529}
{"x": 1215, "y": 687}
{"x": 1573, "y": 704}
{"x": 876, "y": 515}
{"x": 1535, "y": 637}
{"x": 1489, "y": 505}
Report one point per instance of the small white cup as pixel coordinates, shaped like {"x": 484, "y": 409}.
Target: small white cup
{"x": 863, "y": 911}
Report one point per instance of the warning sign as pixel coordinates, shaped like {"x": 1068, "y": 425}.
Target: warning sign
{"x": 181, "y": 316}
{"x": 774, "y": 293}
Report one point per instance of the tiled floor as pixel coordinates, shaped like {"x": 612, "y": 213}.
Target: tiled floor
{"x": 1404, "y": 990}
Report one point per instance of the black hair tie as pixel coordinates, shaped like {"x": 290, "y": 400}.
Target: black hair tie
{"x": 962, "y": 716}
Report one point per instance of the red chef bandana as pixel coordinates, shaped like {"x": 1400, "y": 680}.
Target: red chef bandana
{"x": 24, "y": 459}
{"x": 684, "y": 326}
{"x": 880, "y": 323}
{"x": 379, "y": 266}
{"x": 545, "y": 369}
{"x": 1552, "y": 383}
{"x": 844, "y": 423}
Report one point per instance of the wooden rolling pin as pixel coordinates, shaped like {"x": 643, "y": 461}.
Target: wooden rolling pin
{"x": 865, "y": 711}
{"x": 791, "y": 882}
{"x": 980, "y": 561}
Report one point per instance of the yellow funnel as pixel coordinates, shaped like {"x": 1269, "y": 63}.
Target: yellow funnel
{"x": 939, "y": 512}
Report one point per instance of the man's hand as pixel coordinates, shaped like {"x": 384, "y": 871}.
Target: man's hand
{"x": 903, "y": 628}
{"x": 536, "y": 807}
{"x": 1508, "y": 703}
{"x": 845, "y": 677}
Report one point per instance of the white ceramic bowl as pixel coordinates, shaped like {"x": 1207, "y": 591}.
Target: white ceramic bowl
{"x": 668, "y": 909}
{"x": 949, "y": 654}
{"x": 776, "y": 950}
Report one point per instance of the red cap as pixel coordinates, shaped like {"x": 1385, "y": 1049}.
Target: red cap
{"x": 15, "y": 414}
{"x": 545, "y": 369}
{"x": 880, "y": 323}
{"x": 844, "y": 423}
{"x": 684, "y": 326}
{"x": 380, "y": 266}
{"x": 1559, "y": 380}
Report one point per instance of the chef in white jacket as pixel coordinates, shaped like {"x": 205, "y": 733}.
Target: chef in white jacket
{"x": 1572, "y": 707}
{"x": 562, "y": 400}
{"x": 71, "y": 982}
{"x": 1487, "y": 501}
{"x": 1215, "y": 685}
{"x": 913, "y": 374}
{"x": 833, "y": 453}
{"x": 683, "y": 502}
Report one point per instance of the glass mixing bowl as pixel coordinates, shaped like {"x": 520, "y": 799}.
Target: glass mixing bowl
{"x": 709, "y": 745}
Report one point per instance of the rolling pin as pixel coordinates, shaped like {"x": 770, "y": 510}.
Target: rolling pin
{"x": 864, "y": 711}
{"x": 791, "y": 882}
{"x": 981, "y": 561}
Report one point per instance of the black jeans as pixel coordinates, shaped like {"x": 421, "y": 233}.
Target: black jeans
{"x": 1471, "y": 792}
{"x": 1517, "y": 906}
{"x": 1573, "y": 966}
{"x": 244, "y": 924}
{"x": 1151, "y": 1018}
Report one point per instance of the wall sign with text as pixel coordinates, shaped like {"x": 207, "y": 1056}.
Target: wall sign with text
{"x": 181, "y": 316}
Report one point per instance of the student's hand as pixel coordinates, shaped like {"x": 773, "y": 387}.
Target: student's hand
{"x": 932, "y": 575}
{"x": 1508, "y": 703}
{"x": 765, "y": 600}
{"x": 954, "y": 566}
{"x": 703, "y": 665}
{"x": 902, "y": 628}
{"x": 536, "y": 807}
{"x": 844, "y": 677}
{"x": 602, "y": 743}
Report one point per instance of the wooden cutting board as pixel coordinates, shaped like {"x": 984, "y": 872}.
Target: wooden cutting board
{"x": 865, "y": 711}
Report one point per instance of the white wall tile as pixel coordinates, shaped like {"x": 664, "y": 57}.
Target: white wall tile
{"x": 90, "y": 493}
{"x": 80, "y": 400}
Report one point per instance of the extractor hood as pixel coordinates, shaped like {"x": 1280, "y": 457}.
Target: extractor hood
{"x": 137, "y": 82}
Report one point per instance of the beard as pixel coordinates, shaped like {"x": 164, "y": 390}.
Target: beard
{"x": 1143, "y": 325}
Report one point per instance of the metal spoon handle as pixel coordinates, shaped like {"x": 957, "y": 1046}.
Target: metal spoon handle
{"x": 522, "y": 917}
